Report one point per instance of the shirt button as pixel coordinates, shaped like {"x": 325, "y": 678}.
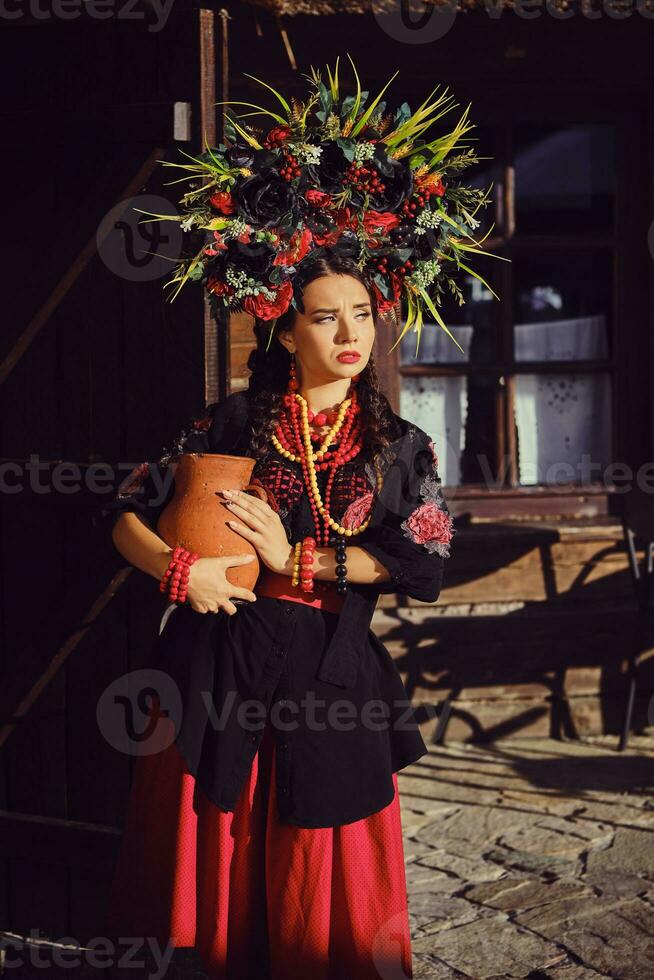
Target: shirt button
{"x": 253, "y": 738}
{"x": 288, "y": 610}
{"x": 283, "y": 790}
{"x": 283, "y": 745}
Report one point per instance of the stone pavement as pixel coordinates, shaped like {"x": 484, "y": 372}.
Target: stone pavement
{"x": 533, "y": 858}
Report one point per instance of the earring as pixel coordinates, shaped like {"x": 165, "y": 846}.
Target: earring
{"x": 292, "y": 376}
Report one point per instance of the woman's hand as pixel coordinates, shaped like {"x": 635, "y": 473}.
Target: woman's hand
{"x": 209, "y": 589}
{"x": 261, "y": 526}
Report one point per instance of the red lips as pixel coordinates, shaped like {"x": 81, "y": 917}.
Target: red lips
{"x": 349, "y": 357}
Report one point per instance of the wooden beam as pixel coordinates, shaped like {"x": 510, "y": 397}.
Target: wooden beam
{"x": 208, "y": 134}
{"x": 33, "y": 837}
{"x": 75, "y": 636}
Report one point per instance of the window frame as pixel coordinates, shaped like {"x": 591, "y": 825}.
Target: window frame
{"x": 628, "y": 306}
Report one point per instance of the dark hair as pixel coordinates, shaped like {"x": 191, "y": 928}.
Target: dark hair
{"x": 270, "y": 364}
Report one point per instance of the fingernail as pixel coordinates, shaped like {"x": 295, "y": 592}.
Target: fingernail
{"x": 227, "y": 493}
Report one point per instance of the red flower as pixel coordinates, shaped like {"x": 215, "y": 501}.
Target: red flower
{"x": 319, "y": 199}
{"x": 384, "y": 304}
{"x": 430, "y": 182}
{"x": 219, "y": 286}
{"x": 276, "y": 136}
{"x": 358, "y": 511}
{"x": 268, "y": 309}
{"x": 384, "y": 220}
{"x": 298, "y": 247}
{"x": 223, "y": 201}
{"x": 344, "y": 220}
{"x": 219, "y": 247}
{"x": 430, "y": 523}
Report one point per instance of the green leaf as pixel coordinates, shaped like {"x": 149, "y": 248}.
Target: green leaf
{"x": 325, "y": 98}
{"x": 347, "y": 145}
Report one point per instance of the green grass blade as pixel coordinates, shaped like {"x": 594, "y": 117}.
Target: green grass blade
{"x": 260, "y": 110}
{"x": 357, "y": 101}
{"x": 333, "y": 80}
{"x": 477, "y": 276}
{"x": 437, "y": 317}
{"x": 275, "y": 93}
{"x": 371, "y": 108}
{"x": 410, "y": 319}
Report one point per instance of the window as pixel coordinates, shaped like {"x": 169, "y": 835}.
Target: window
{"x": 530, "y": 402}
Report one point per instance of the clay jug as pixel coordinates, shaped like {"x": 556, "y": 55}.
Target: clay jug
{"x": 197, "y": 517}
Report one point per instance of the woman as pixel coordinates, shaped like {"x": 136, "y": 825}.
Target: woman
{"x": 276, "y": 849}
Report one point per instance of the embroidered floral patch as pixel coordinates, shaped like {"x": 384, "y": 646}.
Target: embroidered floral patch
{"x": 358, "y": 511}
{"x": 431, "y": 524}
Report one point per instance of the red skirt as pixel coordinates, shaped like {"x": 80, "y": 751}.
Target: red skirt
{"x": 256, "y": 897}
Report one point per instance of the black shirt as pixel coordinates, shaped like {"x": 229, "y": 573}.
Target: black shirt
{"x": 323, "y": 682}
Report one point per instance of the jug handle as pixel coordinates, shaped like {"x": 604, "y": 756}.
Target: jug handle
{"x": 259, "y": 491}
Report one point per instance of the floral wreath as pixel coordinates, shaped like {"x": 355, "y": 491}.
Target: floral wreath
{"x": 338, "y": 174}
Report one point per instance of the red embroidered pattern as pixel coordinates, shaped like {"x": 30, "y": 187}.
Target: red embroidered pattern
{"x": 284, "y": 484}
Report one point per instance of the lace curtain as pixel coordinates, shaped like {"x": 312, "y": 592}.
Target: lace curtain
{"x": 561, "y": 418}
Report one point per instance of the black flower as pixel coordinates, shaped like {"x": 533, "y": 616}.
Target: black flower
{"x": 240, "y": 155}
{"x": 406, "y": 236}
{"x": 254, "y": 258}
{"x": 329, "y": 174}
{"x": 264, "y": 199}
{"x": 397, "y": 178}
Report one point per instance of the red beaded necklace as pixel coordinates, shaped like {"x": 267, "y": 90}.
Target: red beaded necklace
{"x": 292, "y": 438}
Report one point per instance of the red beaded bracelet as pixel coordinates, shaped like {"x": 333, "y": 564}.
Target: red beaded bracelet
{"x": 174, "y": 580}
{"x": 306, "y": 564}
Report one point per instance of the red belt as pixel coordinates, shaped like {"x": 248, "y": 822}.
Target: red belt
{"x": 324, "y": 595}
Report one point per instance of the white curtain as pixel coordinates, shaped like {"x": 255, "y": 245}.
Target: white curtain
{"x": 562, "y": 417}
{"x": 440, "y": 407}
{"x": 583, "y": 339}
